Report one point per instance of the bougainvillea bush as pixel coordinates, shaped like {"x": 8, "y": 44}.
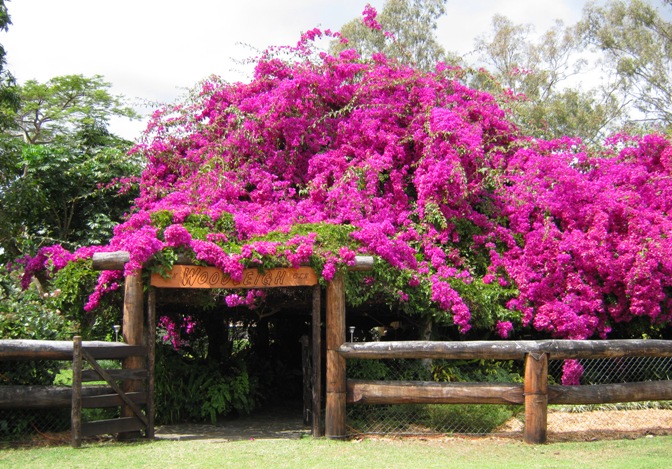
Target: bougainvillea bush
{"x": 318, "y": 159}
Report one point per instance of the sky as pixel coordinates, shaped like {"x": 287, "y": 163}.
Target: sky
{"x": 152, "y": 51}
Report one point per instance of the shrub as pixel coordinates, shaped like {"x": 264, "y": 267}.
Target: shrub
{"x": 468, "y": 418}
{"x": 192, "y": 389}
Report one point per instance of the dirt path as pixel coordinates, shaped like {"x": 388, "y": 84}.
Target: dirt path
{"x": 277, "y": 423}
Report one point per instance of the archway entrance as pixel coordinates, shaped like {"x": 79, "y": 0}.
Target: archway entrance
{"x": 281, "y": 341}
{"x": 184, "y": 275}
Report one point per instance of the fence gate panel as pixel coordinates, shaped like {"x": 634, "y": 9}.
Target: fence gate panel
{"x": 138, "y": 421}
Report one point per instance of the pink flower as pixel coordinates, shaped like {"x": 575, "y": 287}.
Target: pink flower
{"x": 177, "y": 235}
{"x": 369, "y": 20}
{"x": 329, "y": 270}
{"x": 504, "y": 328}
{"x": 571, "y": 373}
{"x": 175, "y": 330}
{"x": 234, "y": 300}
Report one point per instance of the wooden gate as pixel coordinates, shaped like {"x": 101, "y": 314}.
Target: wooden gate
{"x": 135, "y": 390}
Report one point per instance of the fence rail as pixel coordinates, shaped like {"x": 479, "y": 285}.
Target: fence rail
{"x": 19, "y": 349}
{"x": 534, "y": 393}
{"x": 126, "y": 395}
{"x": 507, "y": 350}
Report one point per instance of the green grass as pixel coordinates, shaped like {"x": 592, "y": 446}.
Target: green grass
{"x": 650, "y": 452}
{"x": 64, "y": 376}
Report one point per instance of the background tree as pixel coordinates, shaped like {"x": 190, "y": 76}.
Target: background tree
{"x": 537, "y": 80}
{"x": 9, "y": 99}
{"x": 60, "y": 184}
{"x": 9, "y": 102}
{"x": 636, "y": 44}
{"x": 412, "y": 24}
{"x": 63, "y": 167}
{"x": 64, "y": 106}
{"x": 541, "y": 78}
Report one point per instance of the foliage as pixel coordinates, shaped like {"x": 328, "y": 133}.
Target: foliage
{"x": 531, "y": 78}
{"x": 404, "y": 30}
{"x": 470, "y": 418}
{"x": 73, "y": 282}
{"x": 65, "y": 106}
{"x": 404, "y": 370}
{"x": 29, "y": 314}
{"x": 477, "y": 371}
{"x": 192, "y": 389}
{"x": 634, "y": 38}
{"x": 9, "y": 97}
{"x": 67, "y": 179}
{"x": 474, "y": 418}
{"x": 73, "y": 198}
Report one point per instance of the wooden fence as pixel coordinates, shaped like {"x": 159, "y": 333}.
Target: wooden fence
{"x": 136, "y": 386}
{"x": 534, "y": 393}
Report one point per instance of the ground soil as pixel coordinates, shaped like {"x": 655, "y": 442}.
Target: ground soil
{"x": 276, "y": 423}
{"x": 287, "y": 423}
{"x": 562, "y": 426}
{"x": 599, "y": 425}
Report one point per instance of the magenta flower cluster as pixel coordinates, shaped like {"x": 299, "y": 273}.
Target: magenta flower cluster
{"x": 596, "y": 234}
{"x": 572, "y": 371}
{"x": 369, "y": 19}
{"x": 176, "y": 331}
{"x": 430, "y": 175}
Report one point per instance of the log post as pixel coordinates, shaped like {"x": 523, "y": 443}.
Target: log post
{"x": 307, "y": 374}
{"x": 336, "y": 378}
{"x": 151, "y": 359}
{"x": 535, "y": 390}
{"x": 133, "y": 333}
{"x": 76, "y": 410}
{"x": 317, "y": 362}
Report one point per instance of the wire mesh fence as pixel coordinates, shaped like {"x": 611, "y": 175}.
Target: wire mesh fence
{"x": 18, "y": 423}
{"x": 52, "y": 423}
{"x": 583, "y": 422}
{"x": 421, "y": 419}
{"x": 612, "y": 420}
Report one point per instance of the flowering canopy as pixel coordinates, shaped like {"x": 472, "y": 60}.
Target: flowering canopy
{"x": 416, "y": 169}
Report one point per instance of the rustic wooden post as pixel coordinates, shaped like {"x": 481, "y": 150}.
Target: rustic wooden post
{"x": 307, "y": 374}
{"x": 151, "y": 359}
{"x": 76, "y": 409}
{"x": 336, "y": 378}
{"x": 317, "y": 361}
{"x": 535, "y": 391}
{"x": 133, "y": 333}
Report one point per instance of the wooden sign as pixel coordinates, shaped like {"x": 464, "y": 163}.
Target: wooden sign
{"x": 192, "y": 276}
